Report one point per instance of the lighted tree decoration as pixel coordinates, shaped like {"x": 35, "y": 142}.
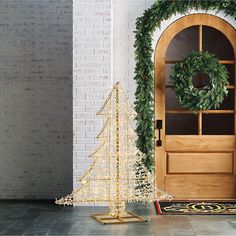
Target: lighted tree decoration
{"x": 117, "y": 174}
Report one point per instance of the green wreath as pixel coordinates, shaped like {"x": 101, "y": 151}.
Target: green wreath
{"x": 204, "y": 98}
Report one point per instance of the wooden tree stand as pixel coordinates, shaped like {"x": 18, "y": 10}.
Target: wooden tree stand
{"x": 108, "y": 219}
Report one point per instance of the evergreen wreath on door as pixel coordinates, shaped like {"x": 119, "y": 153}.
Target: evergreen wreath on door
{"x": 144, "y": 69}
{"x": 206, "y": 97}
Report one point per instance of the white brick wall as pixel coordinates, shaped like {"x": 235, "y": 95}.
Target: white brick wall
{"x": 125, "y": 13}
{"x": 102, "y": 55}
{"x": 92, "y": 81}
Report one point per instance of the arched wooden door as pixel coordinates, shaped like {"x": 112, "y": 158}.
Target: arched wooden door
{"x": 197, "y": 156}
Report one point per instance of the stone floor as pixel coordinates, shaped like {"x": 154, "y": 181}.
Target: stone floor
{"x": 45, "y": 218}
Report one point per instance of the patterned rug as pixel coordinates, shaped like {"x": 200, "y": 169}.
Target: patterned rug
{"x": 196, "y": 207}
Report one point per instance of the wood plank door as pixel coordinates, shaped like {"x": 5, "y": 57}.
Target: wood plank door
{"x": 197, "y": 156}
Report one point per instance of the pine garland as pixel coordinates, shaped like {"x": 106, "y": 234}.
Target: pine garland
{"x": 144, "y": 74}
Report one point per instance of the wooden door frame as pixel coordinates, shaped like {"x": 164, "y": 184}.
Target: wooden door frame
{"x": 159, "y": 74}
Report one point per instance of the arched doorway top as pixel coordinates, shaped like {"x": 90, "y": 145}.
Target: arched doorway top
{"x": 192, "y": 20}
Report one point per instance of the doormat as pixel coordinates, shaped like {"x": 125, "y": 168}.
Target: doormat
{"x": 196, "y": 207}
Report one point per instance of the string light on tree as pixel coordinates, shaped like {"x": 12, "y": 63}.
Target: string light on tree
{"x": 117, "y": 174}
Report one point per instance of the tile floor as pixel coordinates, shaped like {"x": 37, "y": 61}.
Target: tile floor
{"x": 45, "y": 218}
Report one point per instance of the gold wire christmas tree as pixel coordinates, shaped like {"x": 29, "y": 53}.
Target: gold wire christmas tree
{"x": 117, "y": 174}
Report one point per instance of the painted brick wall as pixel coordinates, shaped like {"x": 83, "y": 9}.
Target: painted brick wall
{"x": 35, "y": 98}
{"x": 102, "y": 55}
{"x": 92, "y": 80}
{"x": 125, "y": 13}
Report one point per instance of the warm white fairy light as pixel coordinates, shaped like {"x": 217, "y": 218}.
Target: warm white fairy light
{"x": 114, "y": 175}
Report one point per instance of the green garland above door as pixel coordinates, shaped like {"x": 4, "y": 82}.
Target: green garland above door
{"x": 144, "y": 69}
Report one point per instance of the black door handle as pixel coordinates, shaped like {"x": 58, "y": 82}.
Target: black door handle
{"x": 159, "y": 127}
